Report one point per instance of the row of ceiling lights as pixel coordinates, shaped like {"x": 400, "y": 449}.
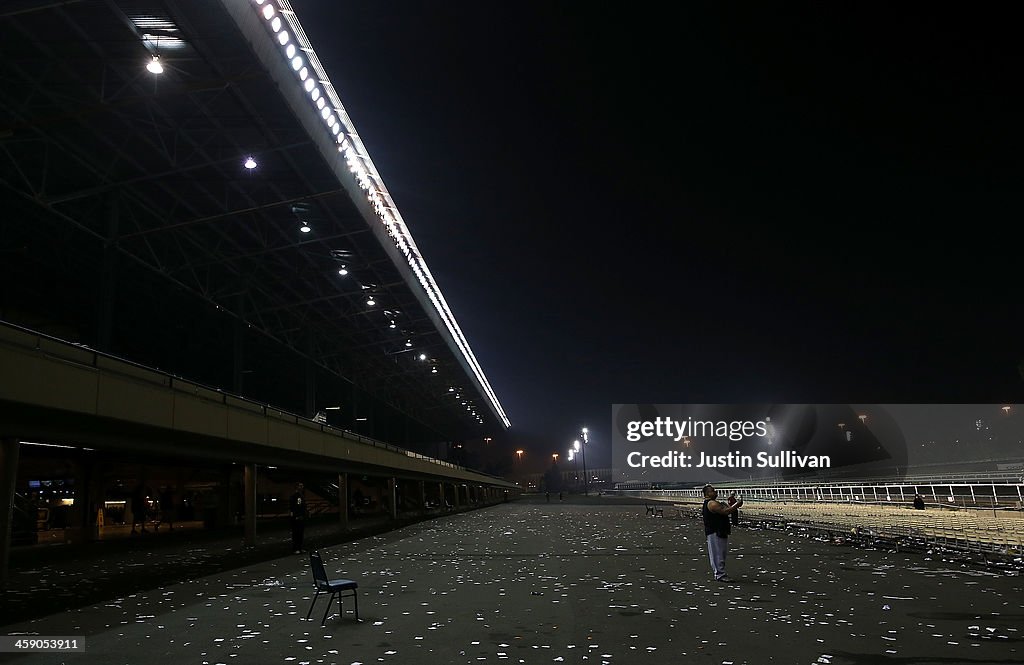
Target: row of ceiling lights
{"x": 298, "y": 65}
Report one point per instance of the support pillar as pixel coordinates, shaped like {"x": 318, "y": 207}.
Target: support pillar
{"x": 343, "y": 501}
{"x": 423, "y": 496}
{"x": 310, "y": 377}
{"x": 250, "y": 504}
{"x": 238, "y": 348}
{"x": 393, "y": 491}
{"x": 79, "y": 524}
{"x": 108, "y": 279}
{"x": 225, "y": 501}
{"x": 9, "y": 452}
{"x": 442, "y": 504}
{"x": 458, "y": 497}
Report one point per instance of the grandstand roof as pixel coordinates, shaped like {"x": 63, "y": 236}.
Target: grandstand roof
{"x": 106, "y": 166}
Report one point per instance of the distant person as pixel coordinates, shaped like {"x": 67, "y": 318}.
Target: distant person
{"x": 547, "y": 495}
{"x": 299, "y": 512}
{"x": 919, "y": 502}
{"x": 166, "y": 509}
{"x": 139, "y": 508}
{"x": 559, "y": 496}
{"x": 717, "y": 530}
{"x": 735, "y": 516}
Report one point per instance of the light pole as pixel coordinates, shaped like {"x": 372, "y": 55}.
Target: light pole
{"x": 586, "y": 481}
{"x": 575, "y": 472}
{"x": 576, "y": 453}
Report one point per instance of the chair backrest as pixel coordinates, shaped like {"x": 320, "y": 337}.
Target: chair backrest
{"x": 319, "y": 573}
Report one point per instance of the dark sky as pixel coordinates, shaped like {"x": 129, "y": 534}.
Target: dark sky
{"x": 717, "y": 204}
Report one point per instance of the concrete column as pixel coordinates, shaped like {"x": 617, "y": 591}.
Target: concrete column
{"x": 108, "y": 279}
{"x": 440, "y": 497}
{"x": 310, "y": 378}
{"x": 343, "y": 500}
{"x": 393, "y": 491}
{"x": 250, "y": 504}
{"x": 78, "y": 526}
{"x": 225, "y": 500}
{"x": 423, "y": 496}
{"x": 96, "y": 498}
{"x": 238, "y": 347}
{"x": 9, "y": 452}
{"x": 458, "y": 496}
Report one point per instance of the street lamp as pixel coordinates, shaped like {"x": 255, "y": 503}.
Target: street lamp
{"x": 519, "y": 454}
{"x": 575, "y": 472}
{"x": 586, "y": 481}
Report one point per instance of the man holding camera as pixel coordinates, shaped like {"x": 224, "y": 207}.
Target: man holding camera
{"x": 717, "y": 529}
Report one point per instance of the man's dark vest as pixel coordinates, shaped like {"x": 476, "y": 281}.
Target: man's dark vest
{"x": 715, "y": 523}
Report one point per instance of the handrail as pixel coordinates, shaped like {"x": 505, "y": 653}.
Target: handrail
{"x": 174, "y": 382}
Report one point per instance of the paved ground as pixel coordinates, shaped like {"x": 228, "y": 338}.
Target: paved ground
{"x": 576, "y": 582}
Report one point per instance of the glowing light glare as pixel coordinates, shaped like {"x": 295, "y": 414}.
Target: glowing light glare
{"x": 433, "y": 370}
{"x": 297, "y": 63}
{"x": 408, "y": 342}
{"x": 315, "y": 94}
{"x": 360, "y": 165}
{"x": 370, "y": 302}
{"x": 423, "y": 356}
{"x": 342, "y": 272}
{"x": 305, "y": 227}
{"x": 324, "y": 112}
{"x": 154, "y": 65}
{"x": 250, "y": 163}
{"x": 320, "y": 104}
{"x": 576, "y": 444}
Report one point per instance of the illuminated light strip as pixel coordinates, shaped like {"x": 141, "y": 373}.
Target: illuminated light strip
{"x": 366, "y": 175}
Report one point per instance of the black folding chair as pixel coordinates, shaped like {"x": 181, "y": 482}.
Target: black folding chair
{"x": 333, "y": 587}
{"x": 656, "y": 511}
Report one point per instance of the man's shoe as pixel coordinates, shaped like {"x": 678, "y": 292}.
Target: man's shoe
{"x": 725, "y": 579}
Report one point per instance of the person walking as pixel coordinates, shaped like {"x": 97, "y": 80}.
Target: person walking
{"x": 299, "y": 512}
{"x": 717, "y": 530}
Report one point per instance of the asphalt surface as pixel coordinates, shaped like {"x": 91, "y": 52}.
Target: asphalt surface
{"x": 581, "y": 581}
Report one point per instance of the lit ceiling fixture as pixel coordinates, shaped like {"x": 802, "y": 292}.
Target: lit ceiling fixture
{"x": 342, "y": 271}
{"x": 250, "y": 163}
{"x": 155, "y": 66}
{"x": 393, "y": 325}
{"x": 370, "y": 301}
{"x": 408, "y": 342}
{"x": 305, "y": 227}
{"x": 433, "y": 370}
{"x": 423, "y": 356}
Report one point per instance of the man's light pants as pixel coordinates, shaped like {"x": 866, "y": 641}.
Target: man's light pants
{"x": 717, "y": 549}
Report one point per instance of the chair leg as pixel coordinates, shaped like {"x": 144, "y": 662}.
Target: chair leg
{"x": 323, "y": 622}
{"x": 355, "y": 599}
{"x": 311, "y": 605}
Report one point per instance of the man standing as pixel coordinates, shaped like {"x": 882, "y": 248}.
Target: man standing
{"x": 299, "y": 513}
{"x": 717, "y": 530}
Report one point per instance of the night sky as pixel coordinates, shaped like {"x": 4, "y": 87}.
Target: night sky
{"x": 717, "y": 204}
